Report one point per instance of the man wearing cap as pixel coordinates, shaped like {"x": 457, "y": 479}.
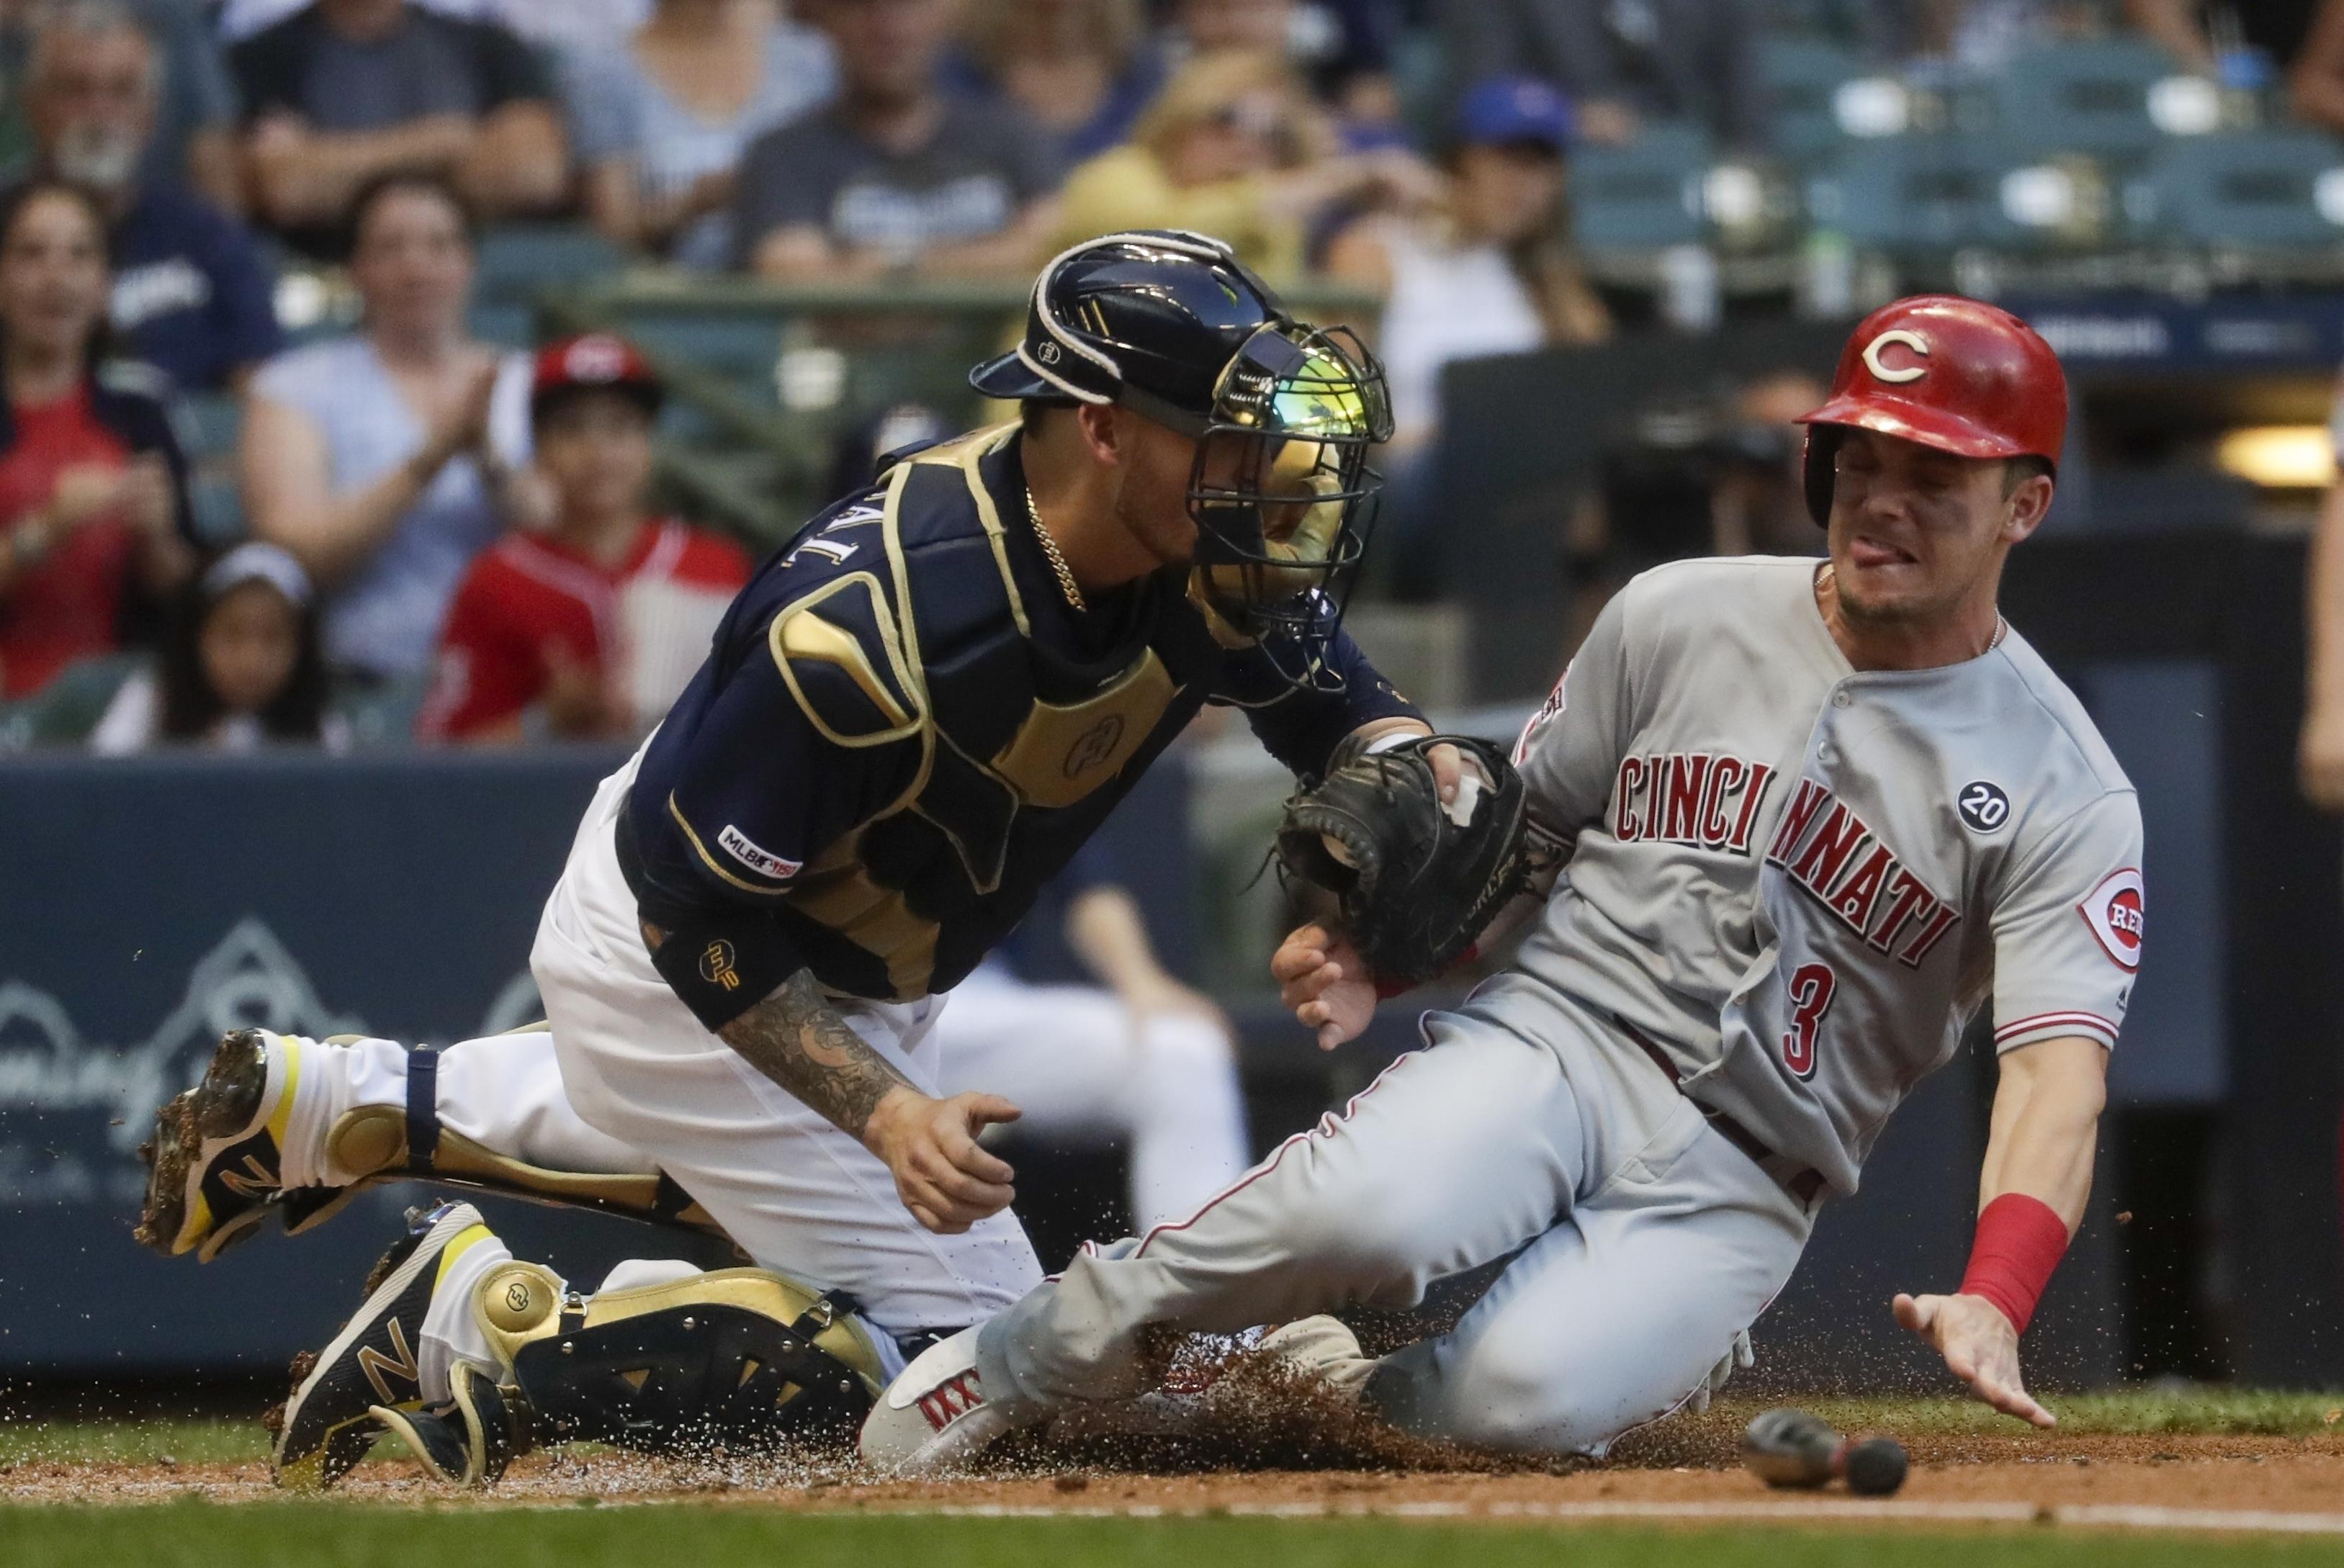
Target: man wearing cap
{"x": 589, "y": 627}
{"x": 1814, "y": 817}
{"x": 910, "y": 719}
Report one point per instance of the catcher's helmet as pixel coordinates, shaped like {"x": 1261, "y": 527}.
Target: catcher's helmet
{"x": 1172, "y": 326}
{"x": 1949, "y": 373}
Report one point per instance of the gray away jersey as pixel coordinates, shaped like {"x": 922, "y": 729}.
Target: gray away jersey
{"x": 1801, "y": 879}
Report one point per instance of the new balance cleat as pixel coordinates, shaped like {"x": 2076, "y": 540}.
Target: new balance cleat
{"x": 374, "y": 1363}
{"x": 934, "y": 1416}
{"x": 470, "y": 1439}
{"x": 215, "y": 1166}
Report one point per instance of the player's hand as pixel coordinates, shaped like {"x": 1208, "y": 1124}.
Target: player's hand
{"x": 930, "y": 1147}
{"x": 1980, "y": 1347}
{"x": 2319, "y": 757}
{"x": 1323, "y": 978}
{"x": 1448, "y": 767}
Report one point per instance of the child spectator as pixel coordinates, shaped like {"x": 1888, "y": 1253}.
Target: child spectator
{"x": 598, "y": 621}
{"x": 344, "y": 91}
{"x": 93, "y": 488}
{"x": 896, "y": 175}
{"x": 240, "y": 666}
{"x": 192, "y": 296}
{"x": 1232, "y": 147}
{"x": 660, "y": 119}
{"x": 381, "y": 459}
{"x": 1085, "y": 69}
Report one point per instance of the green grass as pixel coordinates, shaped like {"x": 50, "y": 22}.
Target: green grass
{"x": 2210, "y": 1411}
{"x": 197, "y": 1535}
{"x": 130, "y": 1442}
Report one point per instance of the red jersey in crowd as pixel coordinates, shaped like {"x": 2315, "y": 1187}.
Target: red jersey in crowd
{"x": 68, "y": 604}
{"x": 644, "y": 624}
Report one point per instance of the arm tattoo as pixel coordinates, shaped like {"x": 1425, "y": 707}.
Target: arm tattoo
{"x": 795, "y": 1038}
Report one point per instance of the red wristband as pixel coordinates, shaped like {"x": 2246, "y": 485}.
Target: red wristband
{"x": 1386, "y": 989}
{"x": 2019, "y": 1242}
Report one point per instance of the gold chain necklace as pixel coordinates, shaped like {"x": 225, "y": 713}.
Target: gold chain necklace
{"x": 1056, "y": 557}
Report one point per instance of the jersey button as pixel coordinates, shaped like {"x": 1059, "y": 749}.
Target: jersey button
{"x": 1825, "y": 754}
{"x": 1840, "y": 699}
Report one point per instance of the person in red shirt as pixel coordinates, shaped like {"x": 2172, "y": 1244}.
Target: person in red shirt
{"x": 92, "y": 485}
{"x": 589, "y": 627}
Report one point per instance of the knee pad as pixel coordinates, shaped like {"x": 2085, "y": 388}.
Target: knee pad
{"x": 737, "y": 1359}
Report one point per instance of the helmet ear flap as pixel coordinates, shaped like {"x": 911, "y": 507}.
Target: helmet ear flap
{"x": 1822, "y": 458}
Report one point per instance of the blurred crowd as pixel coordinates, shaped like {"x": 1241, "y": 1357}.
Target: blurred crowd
{"x": 430, "y": 515}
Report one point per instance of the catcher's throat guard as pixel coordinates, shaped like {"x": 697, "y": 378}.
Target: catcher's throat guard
{"x": 1415, "y": 881}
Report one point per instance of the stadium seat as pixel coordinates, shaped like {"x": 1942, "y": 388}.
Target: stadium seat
{"x": 1801, "y": 78}
{"x": 1645, "y": 196}
{"x": 2281, "y": 190}
{"x": 1918, "y": 193}
{"x": 209, "y": 423}
{"x": 67, "y": 708}
{"x": 2089, "y": 96}
{"x": 516, "y": 260}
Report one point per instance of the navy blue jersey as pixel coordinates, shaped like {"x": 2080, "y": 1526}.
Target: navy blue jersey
{"x": 903, "y": 731}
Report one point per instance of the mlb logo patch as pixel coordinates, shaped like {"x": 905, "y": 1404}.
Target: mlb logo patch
{"x": 764, "y": 863}
{"x": 2115, "y": 911}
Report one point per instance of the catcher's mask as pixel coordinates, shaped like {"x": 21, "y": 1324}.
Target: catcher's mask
{"x": 1174, "y": 327}
{"x": 1280, "y": 488}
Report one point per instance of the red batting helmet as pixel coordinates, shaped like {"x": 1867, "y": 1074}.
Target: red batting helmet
{"x": 1949, "y": 373}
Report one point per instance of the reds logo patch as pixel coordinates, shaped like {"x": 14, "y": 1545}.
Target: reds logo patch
{"x": 2115, "y": 911}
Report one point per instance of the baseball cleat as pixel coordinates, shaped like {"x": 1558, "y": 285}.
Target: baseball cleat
{"x": 933, "y": 1417}
{"x": 374, "y": 1363}
{"x": 470, "y": 1440}
{"x": 1321, "y": 1350}
{"x": 215, "y": 1165}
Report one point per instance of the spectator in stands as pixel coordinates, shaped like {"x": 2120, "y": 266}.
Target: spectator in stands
{"x": 191, "y": 295}
{"x": 660, "y": 121}
{"x": 896, "y": 175}
{"x": 1083, "y": 69}
{"x": 1343, "y": 47}
{"x": 1233, "y": 147}
{"x": 1491, "y": 271}
{"x": 1621, "y": 61}
{"x": 192, "y": 139}
{"x": 2315, "y": 74}
{"x": 384, "y": 461}
{"x": 589, "y": 628}
{"x": 344, "y": 91}
{"x": 560, "y": 25}
{"x": 240, "y": 666}
{"x": 93, "y": 488}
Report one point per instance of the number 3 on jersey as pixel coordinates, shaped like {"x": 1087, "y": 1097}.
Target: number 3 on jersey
{"x": 1812, "y": 989}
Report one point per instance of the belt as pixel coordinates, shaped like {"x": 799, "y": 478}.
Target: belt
{"x": 1803, "y": 1182}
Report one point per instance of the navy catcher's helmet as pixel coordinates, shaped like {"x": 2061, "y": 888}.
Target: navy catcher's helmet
{"x": 1172, "y": 326}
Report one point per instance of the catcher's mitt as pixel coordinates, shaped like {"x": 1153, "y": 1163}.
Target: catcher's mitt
{"x": 1416, "y": 881}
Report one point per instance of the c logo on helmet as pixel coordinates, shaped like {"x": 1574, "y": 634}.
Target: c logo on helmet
{"x": 1911, "y": 340}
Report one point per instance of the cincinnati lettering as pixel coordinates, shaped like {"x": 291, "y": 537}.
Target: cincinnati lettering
{"x": 1692, "y": 798}
{"x": 1826, "y": 849}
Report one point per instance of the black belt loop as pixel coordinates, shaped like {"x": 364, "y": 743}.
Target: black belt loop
{"x": 422, "y": 1106}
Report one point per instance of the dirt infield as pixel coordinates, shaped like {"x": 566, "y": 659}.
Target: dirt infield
{"x": 1689, "y": 1470}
